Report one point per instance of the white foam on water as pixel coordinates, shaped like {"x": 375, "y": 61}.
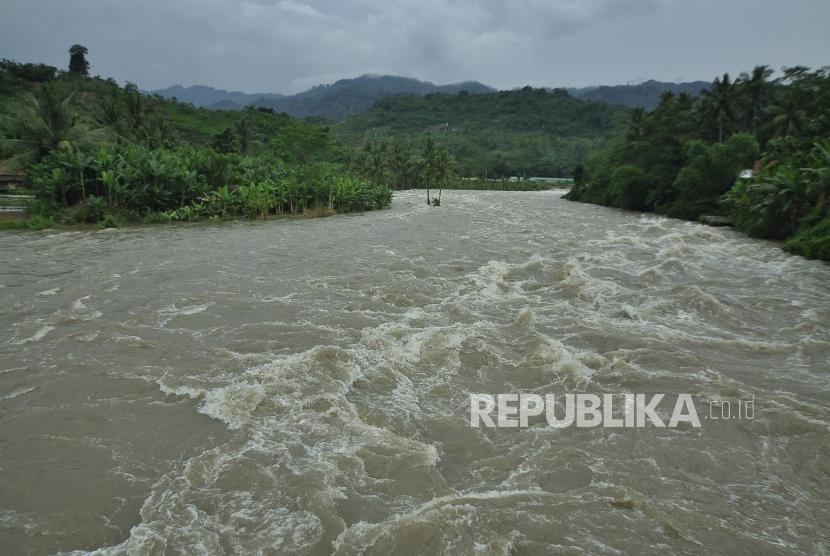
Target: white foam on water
{"x": 41, "y": 333}
{"x": 362, "y": 439}
{"x": 233, "y": 404}
{"x": 53, "y": 291}
{"x": 18, "y": 392}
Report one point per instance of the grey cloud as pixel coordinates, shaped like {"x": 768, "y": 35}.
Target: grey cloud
{"x": 287, "y": 45}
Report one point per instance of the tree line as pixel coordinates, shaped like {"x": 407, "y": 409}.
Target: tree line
{"x": 98, "y": 152}
{"x": 684, "y": 157}
{"x": 428, "y": 168}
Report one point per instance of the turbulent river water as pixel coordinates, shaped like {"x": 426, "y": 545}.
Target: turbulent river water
{"x": 303, "y": 386}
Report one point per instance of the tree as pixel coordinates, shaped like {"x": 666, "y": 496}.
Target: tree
{"x": 224, "y": 142}
{"x": 113, "y": 115}
{"x": 50, "y": 123}
{"x": 444, "y": 164}
{"x": 719, "y": 103}
{"x": 755, "y": 89}
{"x": 397, "y": 163}
{"x": 77, "y": 60}
{"x": 244, "y": 133}
{"x": 33, "y": 73}
{"x": 635, "y": 126}
{"x": 788, "y": 117}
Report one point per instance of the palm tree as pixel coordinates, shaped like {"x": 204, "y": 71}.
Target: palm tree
{"x": 719, "y": 102}
{"x": 50, "y": 124}
{"x": 788, "y": 118}
{"x": 397, "y": 163}
{"x": 635, "y": 126}
{"x": 136, "y": 108}
{"x": 244, "y": 133}
{"x": 756, "y": 91}
{"x": 113, "y": 116}
{"x": 444, "y": 164}
{"x": 413, "y": 171}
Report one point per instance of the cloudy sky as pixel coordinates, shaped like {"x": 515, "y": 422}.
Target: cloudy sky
{"x": 289, "y": 45}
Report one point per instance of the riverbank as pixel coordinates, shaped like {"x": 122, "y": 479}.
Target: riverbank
{"x": 39, "y": 224}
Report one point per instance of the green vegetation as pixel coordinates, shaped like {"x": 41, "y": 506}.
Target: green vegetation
{"x": 99, "y": 153}
{"x": 645, "y": 95}
{"x": 527, "y": 132}
{"x": 684, "y": 158}
{"x": 335, "y": 102}
{"x": 432, "y": 166}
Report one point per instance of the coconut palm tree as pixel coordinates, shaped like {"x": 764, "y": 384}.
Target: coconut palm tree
{"x": 50, "y": 124}
{"x": 719, "y": 103}
{"x": 397, "y": 164}
{"x": 113, "y": 116}
{"x": 444, "y": 165}
{"x": 635, "y": 126}
{"x": 788, "y": 117}
{"x": 755, "y": 89}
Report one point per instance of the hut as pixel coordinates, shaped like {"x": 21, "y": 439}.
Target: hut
{"x": 10, "y": 179}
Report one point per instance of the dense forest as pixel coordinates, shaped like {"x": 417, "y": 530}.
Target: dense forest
{"x": 335, "y": 101}
{"x": 682, "y": 158}
{"x": 644, "y": 95}
{"x": 97, "y": 152}
{"x": 525, "y": 132}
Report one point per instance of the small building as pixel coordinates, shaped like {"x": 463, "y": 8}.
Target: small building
{"x": 10, "y": 179}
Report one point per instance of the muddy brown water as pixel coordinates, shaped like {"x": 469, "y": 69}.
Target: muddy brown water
{"x": 302, "y": 387}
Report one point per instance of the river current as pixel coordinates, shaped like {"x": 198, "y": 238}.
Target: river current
{"x": 303, "y": 386}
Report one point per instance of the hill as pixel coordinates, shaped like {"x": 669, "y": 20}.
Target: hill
{"x": 95, "y": 152}
{"x": 333, "y": 102}
{"x": 521, "y": 132}
{"x": 645, "y": 95}
{"x": 203, "y": 96}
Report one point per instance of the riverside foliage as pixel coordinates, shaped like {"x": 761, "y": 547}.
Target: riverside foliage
{"x": 97, "y": 152}
{"x": 525, "y": 132}
{"x": 684, "y": 158}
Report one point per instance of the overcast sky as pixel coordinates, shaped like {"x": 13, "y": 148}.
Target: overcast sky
{"x": 288, "y": 45}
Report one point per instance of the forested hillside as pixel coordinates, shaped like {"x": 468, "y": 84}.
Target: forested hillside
{"x": 97, "y": 152}
{"x": 336, "y": 101}
{"x": 684, "y": 158}
{"x": 644, "y": 95}
{"x": 521, "y": 132}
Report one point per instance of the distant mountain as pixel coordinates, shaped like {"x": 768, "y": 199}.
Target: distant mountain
{"x": 645, "y": 94}
{"x": 337, "y": 101}
{"x": 201, "y": 95}
{"x": 347, "y": 97}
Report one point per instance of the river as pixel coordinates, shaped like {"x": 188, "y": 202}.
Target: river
{"x": 303, "y": 386}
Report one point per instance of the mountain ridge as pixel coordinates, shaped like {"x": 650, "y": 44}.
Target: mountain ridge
{"x": 645, "y": 94}
{"x": 348, "y": 97}
{"x": 334, "y": 101}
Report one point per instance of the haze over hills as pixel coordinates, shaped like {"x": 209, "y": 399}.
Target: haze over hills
{"x": 348, "y": 97}
{"x": 204, "y": 96}
{"x": 336, "y": 101}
